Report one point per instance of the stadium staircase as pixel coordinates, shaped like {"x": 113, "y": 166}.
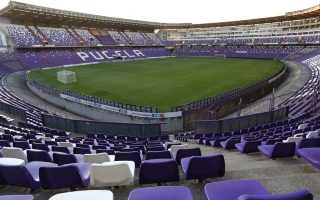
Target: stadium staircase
{"x": 147, "y": 38}
{"x": 126, "y": 37}
{"x": 36, "y": 35}
{"x": 76, "y": 36}
{"x": 43, "y": 37}
{"x": 100, "y": 35}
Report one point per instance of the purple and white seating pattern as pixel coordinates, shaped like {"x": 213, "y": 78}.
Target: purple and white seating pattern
{"x": 238, "y": 51}
{"x": 136, "y": 38}
{"x": 33, "y": 114}
{"x": 59, "y": 36}
{"x": 21, "y": 36}
{"x": 118, "y": 37}
{"x": 155, "y": 39}
{"x": 88, "y": 38}
{"x": 275, "y": 40}
{"x": 304, "y": 100}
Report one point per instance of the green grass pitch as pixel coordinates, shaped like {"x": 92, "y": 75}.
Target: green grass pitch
{"x": 163, "y": 83}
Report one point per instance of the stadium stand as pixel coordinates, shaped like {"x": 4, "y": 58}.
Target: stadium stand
{"x": 36, "y": 157}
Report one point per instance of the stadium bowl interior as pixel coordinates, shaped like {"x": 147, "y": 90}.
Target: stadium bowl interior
{"x": 161, "y": 113}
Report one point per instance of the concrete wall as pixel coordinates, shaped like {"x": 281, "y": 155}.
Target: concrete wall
{"x": 168, "y": 125}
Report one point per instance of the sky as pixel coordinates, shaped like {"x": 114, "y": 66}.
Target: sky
{"x": 178, "y": 11}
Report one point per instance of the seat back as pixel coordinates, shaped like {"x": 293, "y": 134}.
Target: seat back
{"x": 184, "y": 153}
{"x": 202, "y": 167}
{"x": 40, "y": 146}
{"x": 79, "y": 150}
{"x": 18, "y": 176}
{"x": 96, "y": 158}
{"x": 309, "y": 143}
{"x": 38, "y": 155}
{"x": 86, "y": 146}
{"x": 129, "y": 156}
{"x": 21, "y": 144}
{"x": 13, "y": 152}
{"x": 284, "y": 149}
{"x": 5, "y": 143}
{"x": 65, "y": 144}
{"x": 252, "y": 145}
{"x": 112, "y": 173}
{"x": 158, "y": 155}
{"x": 60, "y": 149}
{"x": 174, "y": 149}
{"x": 63, "y": 158}
{"x": 60, "y": 177}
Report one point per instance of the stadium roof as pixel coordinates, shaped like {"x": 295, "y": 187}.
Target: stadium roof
{"x": 24, "y": 13}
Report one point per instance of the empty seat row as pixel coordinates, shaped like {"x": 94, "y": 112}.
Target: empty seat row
{"x": 113, "y": 173}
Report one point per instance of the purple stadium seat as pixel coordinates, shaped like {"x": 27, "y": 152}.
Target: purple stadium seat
{"x": 158, "y": 155}
{"x": 5, "y": 143}
{"x": 38, "y": 155}
{"x": 60, "y": 149}
{"x": 309, "y": 143}
{"x": 166, "y": 171}
{"x": 155, "y": 148}
{"x": 161, "y": 193}
{"x": 72, "y": 176}
{"x": 311, "y": 155}
{"x": 24, "y": 176}
{"x": 233, "y": 189}
{"x": 278, "y": 150}
{"x": 184, "y": 153}
{"x": 21, "y": 144}
{"x": 16, "y": 197}
{"x": 298, "y": 195}
{"x": 248, "y": 190}
{"x": 129, "y": 156}
{"x": 40, "y": 146}
{"x": 230, "y": 143}
{"x": 248, "y": 146}
{"x": 203, "y": 167}
{"x": 79, "y": 150}
{"x": 63, "y": 158}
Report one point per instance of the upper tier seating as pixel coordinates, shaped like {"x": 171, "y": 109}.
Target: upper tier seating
{"x": 118, "y": 37}
{"x": 88, "y": 38}
{"x": 59, "y": 36}
{"x": 21, "y": 36}
{"x": 136, "y": 38}
{"x": 155, "y": 39}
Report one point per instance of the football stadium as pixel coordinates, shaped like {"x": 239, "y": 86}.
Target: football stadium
{"x": 94, "y": 107}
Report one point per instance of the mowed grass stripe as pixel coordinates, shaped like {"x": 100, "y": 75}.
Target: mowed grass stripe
{"x": 163, "y": 83}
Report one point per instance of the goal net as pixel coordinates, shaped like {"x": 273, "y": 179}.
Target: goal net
{"x": 66, "y": 76}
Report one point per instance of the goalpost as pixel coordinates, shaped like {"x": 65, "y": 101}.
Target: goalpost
{"x": 220, "y": 56}
{"x": 66, "y": 77}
